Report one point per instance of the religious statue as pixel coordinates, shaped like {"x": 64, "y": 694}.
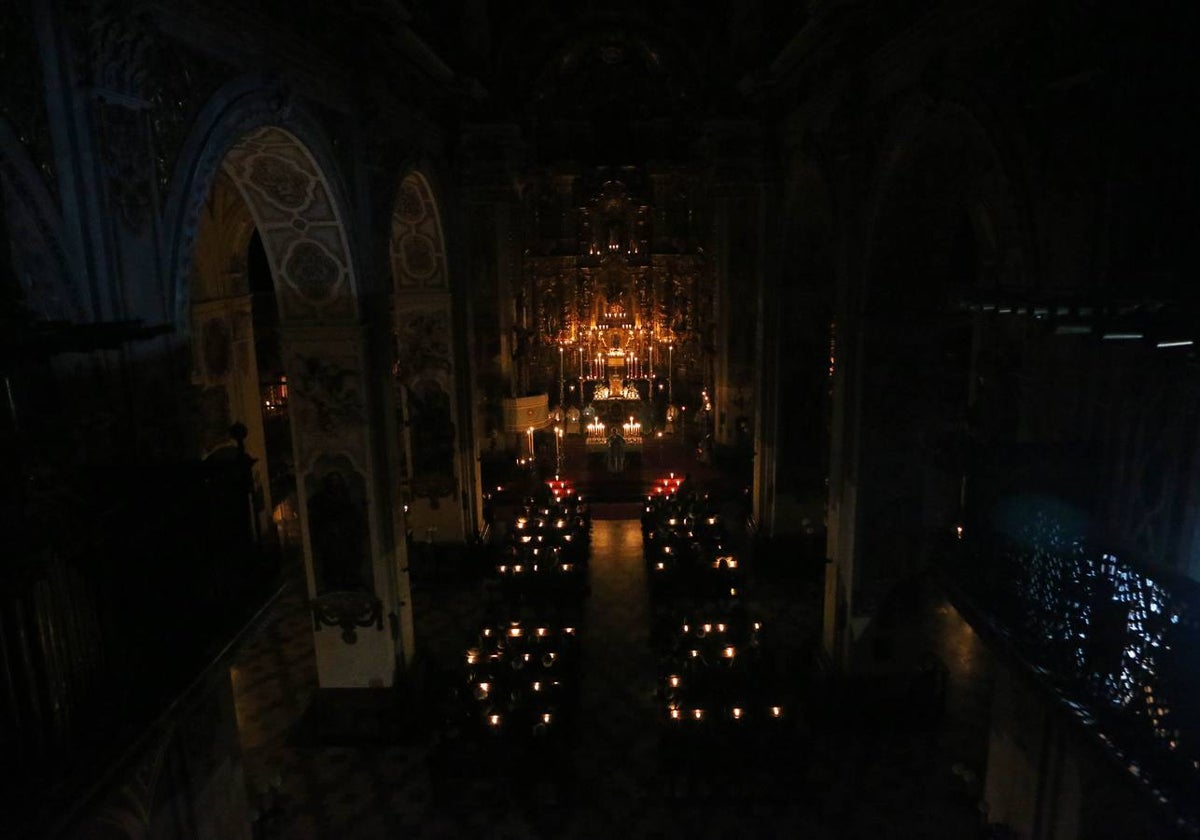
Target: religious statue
{"x": 616, "y": 451}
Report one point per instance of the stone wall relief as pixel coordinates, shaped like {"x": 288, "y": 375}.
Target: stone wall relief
{"x": 326, "y": 403}
{"x": 432, "y": 430}
{"x": 338, "y": 526}
{"x": 423, "y": 345}
{"x": 425, "y": 374}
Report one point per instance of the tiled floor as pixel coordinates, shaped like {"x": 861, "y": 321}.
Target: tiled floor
{"x": 851, "y": 778}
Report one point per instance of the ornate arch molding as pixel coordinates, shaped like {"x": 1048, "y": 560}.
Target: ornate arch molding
{"x": 299, "y": 222}
{"x": 417, "y": 245}
{"x": 282, "y": 164}
{"x": 37, "y": 233}
{"x": 423, "y": 325}
{"x": 993, "y": 193}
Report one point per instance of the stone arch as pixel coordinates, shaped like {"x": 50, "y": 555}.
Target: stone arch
{"x": 262, "y": 137}
{"x": 256, "y": 135}
{"x": 300, "y": 224}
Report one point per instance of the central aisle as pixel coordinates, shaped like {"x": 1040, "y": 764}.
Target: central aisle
{"x": 617, "y": 754}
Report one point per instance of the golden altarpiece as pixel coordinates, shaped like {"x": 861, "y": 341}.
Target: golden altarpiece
{"x": 612, "y": 317}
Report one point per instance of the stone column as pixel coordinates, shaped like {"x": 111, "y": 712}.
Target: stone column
{"x": 734, "y": 152}
{"x": 843, "y": 497}
{"x": 767, "y": 363}
{"x": 354, "y": 594}
{"x": 490, "y": 184}
{"x": 430, "y": 370}
{"x": 427, "y": 375}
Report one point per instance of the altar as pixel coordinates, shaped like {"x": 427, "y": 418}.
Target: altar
{"x": 600, "y": 435}
{"x": 616, "y": 322}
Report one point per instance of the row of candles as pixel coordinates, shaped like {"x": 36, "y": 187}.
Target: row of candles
{"x": 684, "y": 544}
{"x": 631, "y": 429}
{"x": 597, "y": 367}
{"x": 518, "y": 674}
{"x": 548, "y": 540}
{"x": 710, "y": 676}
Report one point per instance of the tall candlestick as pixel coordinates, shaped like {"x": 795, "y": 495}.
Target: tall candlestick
{"x": 670, "y": 365}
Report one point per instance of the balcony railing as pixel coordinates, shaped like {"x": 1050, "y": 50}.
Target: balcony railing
{"x": 1116, "y": 643}
{"x": 100, "y": 632}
